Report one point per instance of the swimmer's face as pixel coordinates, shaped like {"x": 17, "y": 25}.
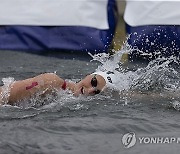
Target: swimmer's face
{"x": 90, "y": 85}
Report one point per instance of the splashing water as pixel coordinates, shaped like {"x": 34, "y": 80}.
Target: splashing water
{"x": 176, "y": 105}
{"x": 5, "y": 90}
{"x": 158, "y": 76}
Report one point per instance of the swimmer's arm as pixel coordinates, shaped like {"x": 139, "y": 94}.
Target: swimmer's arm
{"x": 150, "y": 96}
{"x": 44, "y": 83}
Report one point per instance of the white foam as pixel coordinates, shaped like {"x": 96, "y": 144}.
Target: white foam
{"x": 158, "y": 75}
{"x": 4, "y": 96}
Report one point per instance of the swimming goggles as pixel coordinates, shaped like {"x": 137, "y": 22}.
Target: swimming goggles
{"x": 94, "y": 84}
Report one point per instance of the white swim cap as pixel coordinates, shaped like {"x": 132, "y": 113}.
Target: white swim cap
{"x": 108, "y": 76}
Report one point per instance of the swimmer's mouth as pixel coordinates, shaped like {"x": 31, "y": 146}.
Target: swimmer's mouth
{"x": 82, "y": 90}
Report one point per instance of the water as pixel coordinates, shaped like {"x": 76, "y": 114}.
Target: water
{"x": 146, "y": 103}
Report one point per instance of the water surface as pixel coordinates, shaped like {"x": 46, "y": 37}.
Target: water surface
{"x": 92, "y": 125}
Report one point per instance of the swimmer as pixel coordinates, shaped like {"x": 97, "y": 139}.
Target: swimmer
{"x": 49, "y": 82}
